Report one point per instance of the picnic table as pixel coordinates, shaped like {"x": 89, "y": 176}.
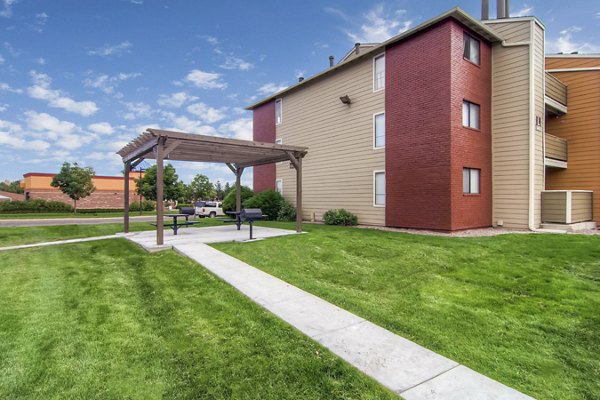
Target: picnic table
{"x": 237, "y": 220}
{"x": 175, "y": 225}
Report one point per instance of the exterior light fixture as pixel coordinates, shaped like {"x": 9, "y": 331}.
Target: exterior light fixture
{"x": 345, "y": 99}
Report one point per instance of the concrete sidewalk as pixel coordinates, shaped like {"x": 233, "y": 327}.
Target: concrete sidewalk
{"x": 408, "y": 369}
{"x": 72, "y": 221}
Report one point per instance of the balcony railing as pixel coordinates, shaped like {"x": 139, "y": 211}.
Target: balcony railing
{"x": 567, "y": 206}
{"x": 556, "y": 90}
{"x": 557, "y": 148}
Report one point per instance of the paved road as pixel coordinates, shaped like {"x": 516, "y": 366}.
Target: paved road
{"x": 72, "y": 221}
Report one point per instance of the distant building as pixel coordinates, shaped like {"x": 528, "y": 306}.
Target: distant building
{"x": 108, "y": 194}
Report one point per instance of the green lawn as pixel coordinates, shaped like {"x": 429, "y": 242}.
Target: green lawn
{"x": 73, "y": 215}
{"x": 105, "y": 320}
{"x": 36, "y": 234}
{"x": 522, "y": 309}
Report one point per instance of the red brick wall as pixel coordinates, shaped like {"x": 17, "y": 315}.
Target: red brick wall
{"x": 13, "y": 196}
{"x": 426, "y": 145}
{"x": 263, "y": 130}
{"x": 98, "y": 199}
{"x": 471, "y": 148}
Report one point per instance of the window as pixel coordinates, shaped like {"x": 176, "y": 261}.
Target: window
{"x": 279, "y": 186}
{"x": 278, "y": 111}
{"x": 379, "y": 189}
{"x": 470, "y": 114}
{"x": 471, "y": 180}
{"x": 379, "y": 73}
{"x": 379, "y": 130}
{"x": 471, "y": 50}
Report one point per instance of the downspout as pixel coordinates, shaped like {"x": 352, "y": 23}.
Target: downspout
{"x": 531, "y": 221}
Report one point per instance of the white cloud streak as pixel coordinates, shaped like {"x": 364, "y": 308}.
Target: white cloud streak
{"x": 111, "y": 50}
{"x": 379, "y": 25}
{"x": 232, "y": 62}
{"x": 526, "y": 10}
{"x": 205, "y": 80}
{"x": 270, "y": 88}
{"x": 565, "y": 43}
{"x": 175, "y": 100}
{"x": 107, "y": 83}
{"x": 41, "y": 90}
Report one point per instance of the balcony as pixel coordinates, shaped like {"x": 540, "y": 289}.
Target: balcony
{"x": 557, "y": 151}
{"x": 556, "y": 95}
{"x": 567, "y": 206}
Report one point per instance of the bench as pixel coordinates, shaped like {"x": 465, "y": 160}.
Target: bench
{"x": 176, "y": 226}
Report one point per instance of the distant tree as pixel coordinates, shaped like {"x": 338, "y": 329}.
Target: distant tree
{"x": 11, "y": 187}
{"x": 226, "y": 189}
{"x": 219, "y": 193}
{"x": 173, "y": 189}
{"x": 230, "y": 198}
{"x": 201, "y": 188}
{"x": 74, "y": 181}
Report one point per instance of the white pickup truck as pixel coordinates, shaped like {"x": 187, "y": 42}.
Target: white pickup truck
{"x": 209, "y": 209}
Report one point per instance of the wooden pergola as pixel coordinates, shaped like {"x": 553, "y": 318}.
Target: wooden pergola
{"x": 163, "y": 145}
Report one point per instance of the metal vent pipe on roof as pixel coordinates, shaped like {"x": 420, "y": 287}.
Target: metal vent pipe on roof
{"x": 485, "y": 9}
{"x": 331, "y": 61}
{"x": 503, "y": 9}
{"x": 356, "y": 48}
{"x": 300, "y": 78}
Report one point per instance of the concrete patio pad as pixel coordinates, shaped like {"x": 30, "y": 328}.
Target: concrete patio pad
{"x": 406, "y": 368}
{"x": 210, "y": 234}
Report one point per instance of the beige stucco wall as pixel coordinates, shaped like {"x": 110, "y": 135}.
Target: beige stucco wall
{"x": 338, "y": 170}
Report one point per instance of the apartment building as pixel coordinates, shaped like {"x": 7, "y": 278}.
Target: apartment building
{"x": 440, "y": 127}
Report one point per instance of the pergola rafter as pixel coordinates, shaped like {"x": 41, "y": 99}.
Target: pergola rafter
{"x": 237, "y": 154}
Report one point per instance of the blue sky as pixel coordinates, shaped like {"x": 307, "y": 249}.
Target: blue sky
{"x": 79, "y": 79}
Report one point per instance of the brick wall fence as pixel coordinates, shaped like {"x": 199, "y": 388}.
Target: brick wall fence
{"x": 13, "y": 196}
{"x": 98, "y": 199}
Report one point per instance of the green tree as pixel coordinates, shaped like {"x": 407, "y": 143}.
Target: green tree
{"x": 74, "y": 181}
{"x": 219, "y": 193}
{"x": 201, "y": 188}
{"x": 173, "y": 189}
{"x": 229, "y": 200}
{"x": 226, "y": 189}
{"x": 11, "y": 187}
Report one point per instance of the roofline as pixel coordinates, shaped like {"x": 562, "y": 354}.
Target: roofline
{"x": 457, "y": 13}
{"x": 49, "y": 175}
{"x": 595, "y": 55}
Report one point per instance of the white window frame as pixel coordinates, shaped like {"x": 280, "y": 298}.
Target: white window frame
{"x": 470, "y": 192}
{"x": 279, "y": 120}
{"x": 375, "y": 130}
{"x": 375, "y": 88}
{"x": 280, "y": 181}
{"x": 470, "y": 104}
{"x": 468, "y": 39}
{"x": 375, "y": 188}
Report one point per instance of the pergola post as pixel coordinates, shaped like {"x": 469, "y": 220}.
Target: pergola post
{"x": 238, "y": 188}
{"x": 160, "y": 192}
{"x": 298, "y": 194}
{"x": 126, "y": 198}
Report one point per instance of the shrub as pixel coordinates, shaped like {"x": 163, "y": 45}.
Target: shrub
{"x": 34, "y": 206}
{"x": 287, "y": 212}
{"x": 269, "y": 201}
{"x": 98, "y": 210}
{"x": 147, "y": 205}
{"x": 340, "y": 217}
{"x": 229, "y": 200}
{"x": 179, "y": 205}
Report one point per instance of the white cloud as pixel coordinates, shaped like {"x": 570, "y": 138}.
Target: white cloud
{"x": 3, "y": 107}
{"x": 207, "y": 114}
{"x": 175, "y": 100}
{"x": 137, "y": 2}
{"x": 380, "y": 24}
{"x": 40, "y": 22}
{"x": 211, "y": 40}
{"x": 238, "y": 129}
{"x": 107, "y": 83}
{"x": 41, "y": 90}
{"x": 136, "y": 110}
{"x": 6, "y": 10}
{"x": 184, "y": 124}
{"x": 101, "y": 128}
{"x": 526, "y": 10}
{"x": 566, "y": 44}
{"x": 1, "y": 59}
{"x": 40, "y": 61}
{"x": 232, "y": 62}
{"x": 205, "y": 80}
{"x": 12, "y": 135}
{"x": 65, "y": 134}
{"x": 270, "y": 88}
{"x": 598, "y": 15}
{"x": 111, "y": 50}
{"x": 5, "y": 87}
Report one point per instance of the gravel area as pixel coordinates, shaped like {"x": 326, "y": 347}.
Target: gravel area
{"x": 477, "y": 232}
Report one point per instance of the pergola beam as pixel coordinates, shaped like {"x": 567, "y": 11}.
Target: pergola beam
{"x": 141, "y": 151}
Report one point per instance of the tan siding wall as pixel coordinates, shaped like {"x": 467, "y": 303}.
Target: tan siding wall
{"x": 338, "y": 170}
{"x": 554, "y": 207}
{"x": 510, "y": 125}
{"x": 556, "y": 147}
{"x": 580, "y": 126}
